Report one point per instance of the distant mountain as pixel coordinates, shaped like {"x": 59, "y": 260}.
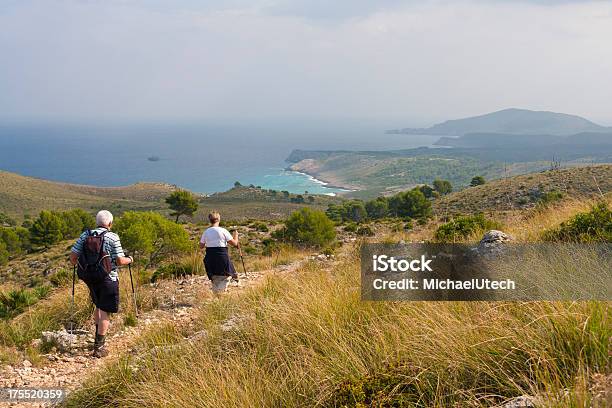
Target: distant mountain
{"x": 513, "y": 122}
{"x": 504, "y": 140}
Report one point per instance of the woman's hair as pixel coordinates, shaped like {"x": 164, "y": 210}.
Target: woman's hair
{"x": 214, "y": 217}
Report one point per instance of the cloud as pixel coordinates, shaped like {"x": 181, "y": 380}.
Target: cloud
{"x": 283, "y": 59}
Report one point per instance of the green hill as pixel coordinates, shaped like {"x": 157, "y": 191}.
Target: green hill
{"x": 526, "y": 190}
{"x": 21, "y": 195}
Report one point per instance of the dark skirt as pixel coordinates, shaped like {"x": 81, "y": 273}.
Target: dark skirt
{"x": 105, "y": 295}
{"x": 217, "y": 262}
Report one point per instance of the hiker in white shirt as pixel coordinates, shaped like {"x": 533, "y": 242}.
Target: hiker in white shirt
{"x": 219, "y": 267}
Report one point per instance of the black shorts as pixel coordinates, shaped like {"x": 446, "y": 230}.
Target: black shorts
{"x": 105, "y": 295}
{"x": 217, "y": 263}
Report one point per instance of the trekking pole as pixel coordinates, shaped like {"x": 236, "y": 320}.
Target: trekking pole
{"x": 133, "y": 292}
{"x": 72, "y": 301}
{"x": 246, "y": 275}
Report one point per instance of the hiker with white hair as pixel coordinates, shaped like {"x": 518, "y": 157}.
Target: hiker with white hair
{"x": 218, "y": 265}
{"x": 98, "y": 255}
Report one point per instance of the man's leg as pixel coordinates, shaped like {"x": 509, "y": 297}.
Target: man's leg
{"x": 102, "y": 324}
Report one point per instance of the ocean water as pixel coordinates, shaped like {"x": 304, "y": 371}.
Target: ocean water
{"x": 203, "y": 157}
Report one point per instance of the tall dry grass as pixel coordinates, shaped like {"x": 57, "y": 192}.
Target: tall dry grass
{"x": 308, "y": 340}
{"x": 528, "y": 227}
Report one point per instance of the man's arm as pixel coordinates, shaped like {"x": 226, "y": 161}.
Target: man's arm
{"x": 76, "y": 249}
{"x": 124, "y": 260}
{"x": 120, "y": 258}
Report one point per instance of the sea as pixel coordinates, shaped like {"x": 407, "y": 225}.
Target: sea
{"x": 204, "y": 157}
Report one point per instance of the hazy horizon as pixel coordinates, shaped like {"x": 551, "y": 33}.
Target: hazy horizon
{"x": 397, "y": 63}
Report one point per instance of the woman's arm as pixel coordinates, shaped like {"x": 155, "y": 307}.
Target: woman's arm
{"x": 234, "y": 241}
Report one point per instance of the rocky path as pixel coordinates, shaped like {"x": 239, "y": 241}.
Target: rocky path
{"x": 177, "y": 301}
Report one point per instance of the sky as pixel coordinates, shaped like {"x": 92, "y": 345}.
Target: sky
{"x": 407, "y": 63}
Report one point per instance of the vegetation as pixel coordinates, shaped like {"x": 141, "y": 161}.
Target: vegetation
{"x": 464, "y": 227}
{"x": 6, "y": 221}
{"x": 309, "y": 227}
{"x": 47, "y": 229}
{"x": 411, "y": 204}
{"x": 524, "y": 191}
{"x": 549, "y": 198}
{"x": 308, "y": 340}
{"x": 442, "y": 186}
{"x": 20, "y": 195}
{"x": 15, "y": 301}
{"x": 51, "y": 227}
{"x": 377, "y": 208}
{"x": 149, "y": 235}
{"x": 592, "y": 226}
{"x": 182, "y": 203}
{"x": 477, "y": 181}
{"x": 348, "y": 211}
{"x": 305, "y": 338}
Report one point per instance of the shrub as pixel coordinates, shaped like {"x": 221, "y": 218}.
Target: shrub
{"x": 11, "y": 240}
{"x": 47, "y": 229}
{"x": 16, "y": 301}
{"x": 173, "y": 270}
{"x": 309, "y": 227}
{"x": 5, "y": 220}
{"x": 260, "y": 226}
{"x": 428, "y": 191}
{"x": 548, "y": 198}
{"x": 411, "y": 204}
{"x": 353, "y": 211}
{"x": 477, "y": 181}
{"x": 592, "y": 226}
{"x": 442, "y": 186}
{"x": 75, "y": 222}
{"x": 4, "y": 254}
{"x": 182, "y": 203}
{"x": 365, "y": 231}
{"x": 63, "y": 277}
{"x": 150, "y": 235}
{"x": 378, "y": 208}
{"x": 350, "y": 227}
{"x": 463, "y": 227}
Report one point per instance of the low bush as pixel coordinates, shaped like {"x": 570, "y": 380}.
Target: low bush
{"x": 309, "y": 227}
{"x": 16, "y": 301}
{"x": 350, "y": 227}
{"x": 365, "y": 231}
{"x": 463, "y": 227}
{"x": 259, "y": 226}
{"x": 549, "y": 198}
{"x": 592, "y": 226}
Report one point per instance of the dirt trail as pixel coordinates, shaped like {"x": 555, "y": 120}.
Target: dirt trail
{"x": 178, "y": 302}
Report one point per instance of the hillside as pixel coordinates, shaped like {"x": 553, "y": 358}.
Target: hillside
{"x": 295, "y": 333}
{"x": 383, "y": 173}
{"x": 21, "y": 195}
{"x": 248, "y": 202}
{"x": 524, "y": 191}
{"x": 512, "y": 121}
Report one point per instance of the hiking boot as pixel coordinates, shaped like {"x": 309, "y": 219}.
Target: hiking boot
{"x": 100, "y": 352}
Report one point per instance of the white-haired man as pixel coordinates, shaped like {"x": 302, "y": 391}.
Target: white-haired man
{"x": 104, "y": 292}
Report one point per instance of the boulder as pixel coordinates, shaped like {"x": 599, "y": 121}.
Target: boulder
{"x": 524, "y": 401}
{"x": 492, "y": 243}
{"x": 65, "y": 341}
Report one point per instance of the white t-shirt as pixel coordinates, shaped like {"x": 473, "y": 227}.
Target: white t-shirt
{"x": 216, "y": 237}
